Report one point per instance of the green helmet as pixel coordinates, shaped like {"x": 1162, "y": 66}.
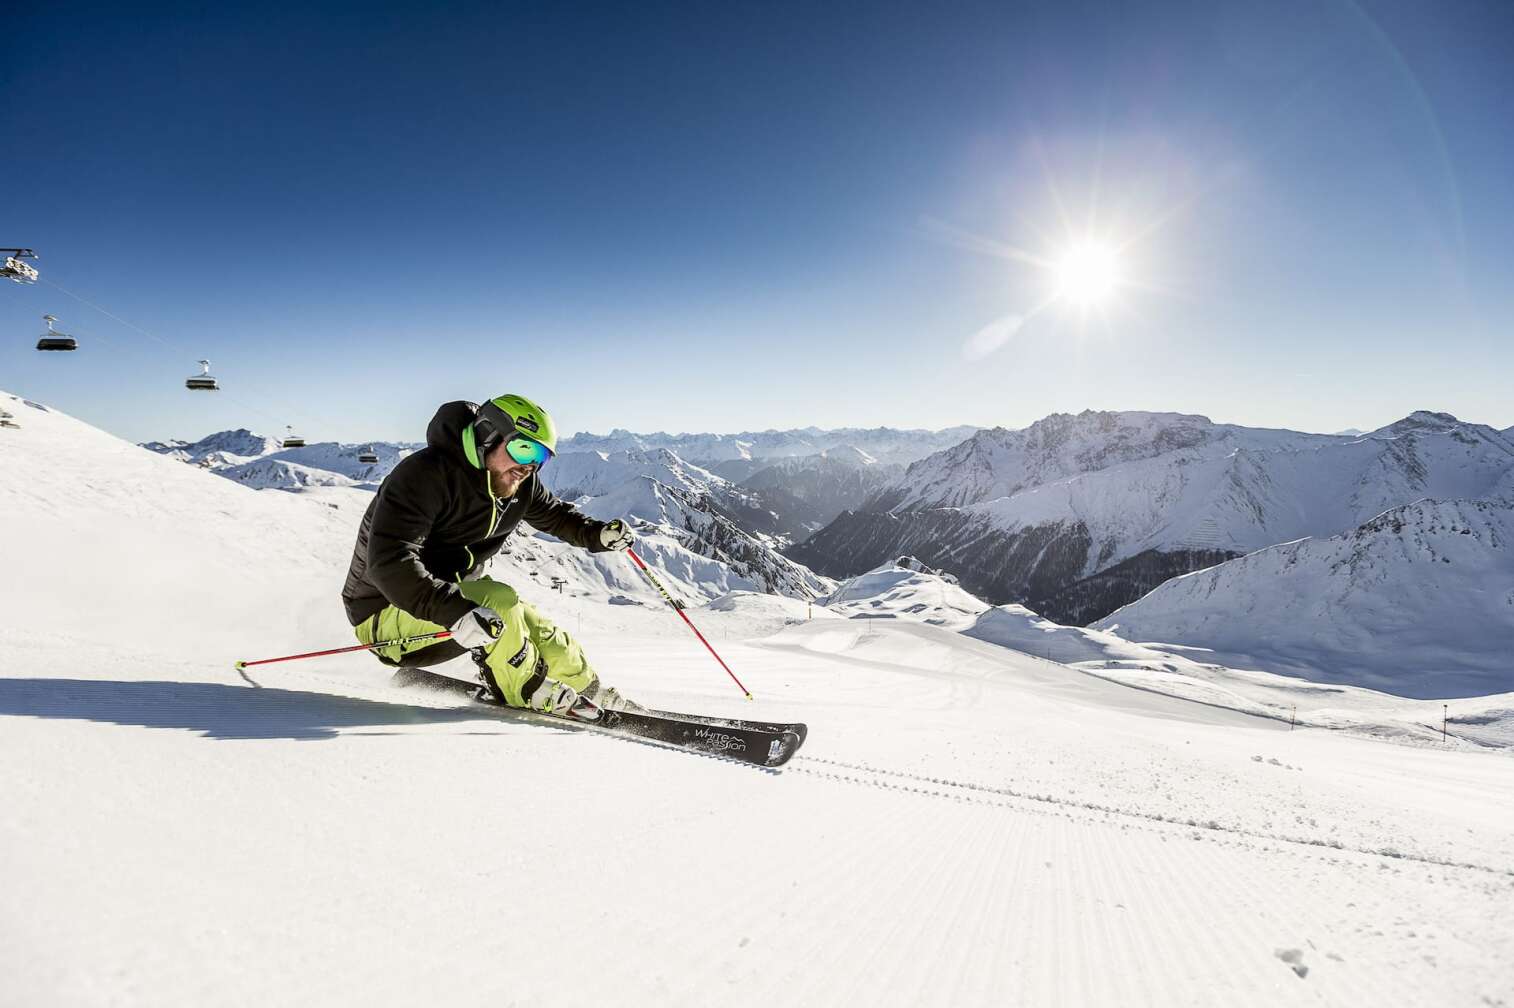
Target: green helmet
{"x": 504, "y": 417}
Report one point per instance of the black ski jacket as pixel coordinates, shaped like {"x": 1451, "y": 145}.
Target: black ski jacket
{"x": 434, "y": 522}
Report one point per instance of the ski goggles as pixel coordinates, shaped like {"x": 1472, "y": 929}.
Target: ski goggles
{"x": 525, "y": 451}
{"x": 494, "y": 424}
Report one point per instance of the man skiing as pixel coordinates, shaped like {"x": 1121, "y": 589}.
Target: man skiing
{"x": 437, "y": 519}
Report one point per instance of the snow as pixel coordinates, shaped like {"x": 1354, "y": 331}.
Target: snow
{"x": 1195, "y": 673}
{"x": 682, "y": 507}
{"x": 262, "y": 462}
{"x": 1163, "y": 481}
{"x": 591, "y": 474}
{"x": 892, "y": 591}
{"x": 881, "y": 444}
{"x": 1419, "y": 601}
{"x": 966, "y": 825}
{"x": 683, "y": 504}
{"x": 1244, "y": 489}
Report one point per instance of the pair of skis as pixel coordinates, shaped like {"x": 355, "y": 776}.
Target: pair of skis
{"x": 758, "y": 743}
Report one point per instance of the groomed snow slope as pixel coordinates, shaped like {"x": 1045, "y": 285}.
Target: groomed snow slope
{"x": 966, "y": 826}
{"x": 1192, "y": 673}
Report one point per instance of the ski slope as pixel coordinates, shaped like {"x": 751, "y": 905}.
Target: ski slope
{"x": 967, "y": 825}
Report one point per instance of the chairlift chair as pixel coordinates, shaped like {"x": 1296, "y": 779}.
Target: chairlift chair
{"x": 16, "y": 268}
{"x": 55, "y": 340}
{"x": 367, "y": 456}
{"x": 291, "y": 439}
{"x": 202, "y": 382}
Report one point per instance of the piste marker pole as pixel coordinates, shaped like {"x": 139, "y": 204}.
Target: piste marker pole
{"x": 678, "y": 608}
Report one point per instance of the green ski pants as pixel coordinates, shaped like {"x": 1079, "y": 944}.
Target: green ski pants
{"x": 512, "y": 660}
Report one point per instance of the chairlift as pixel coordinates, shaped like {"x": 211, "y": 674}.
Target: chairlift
{"x": 55, "y": 340}
{"x": 16, "y": 268}
{"x": 291, "y": 439}
{"x": 202, "y": 382}
{"x": 367, "y": 456}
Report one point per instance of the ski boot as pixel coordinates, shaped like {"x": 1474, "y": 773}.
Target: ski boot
{"x": 548, "y": 697}
{"x": 609, "y": 698}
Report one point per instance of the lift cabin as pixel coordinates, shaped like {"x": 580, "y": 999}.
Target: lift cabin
{"x": 202, "y": 382}
{"x": 55, "y": 340}
{"x": 367, "y": 456}
{"x": 15, "y": 267}
{"x": 291, "y": 439}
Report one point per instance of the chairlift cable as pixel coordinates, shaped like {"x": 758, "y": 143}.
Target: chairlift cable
{"x": 177, "y": 349}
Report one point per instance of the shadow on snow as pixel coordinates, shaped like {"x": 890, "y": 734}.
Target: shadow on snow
{"x": 220, "y": 711}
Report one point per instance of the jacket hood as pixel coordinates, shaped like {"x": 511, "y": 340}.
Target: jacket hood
{"x": 445, "y": 431}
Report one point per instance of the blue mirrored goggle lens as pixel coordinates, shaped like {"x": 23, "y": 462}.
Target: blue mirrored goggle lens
{"x": 527, "y": 452}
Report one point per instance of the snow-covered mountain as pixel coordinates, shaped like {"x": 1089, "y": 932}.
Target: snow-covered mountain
{"x": 882, "y": 444}
{"x": 808, "y": 492}
{"x": 999, "y": 463}
{"x": 688, "y": 504}
{"x": 710, "y": 514}
{"x": 263, "y": 463}
{"x": 222, "y": 446}
{"x": 1077, "y": 515}
{"x": 572, "y": 475}
{"x": 271, "y": 473}
{"x": 1418, "y": 601}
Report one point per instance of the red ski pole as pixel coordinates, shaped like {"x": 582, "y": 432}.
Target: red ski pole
{"x": 678, "y": 608}
{"x": 439, "y": 635}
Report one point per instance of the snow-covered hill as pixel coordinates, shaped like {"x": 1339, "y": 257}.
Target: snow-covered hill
{"x": 263, "y": 463}
{"x": 177, "y": 833}
{"x": 1196, "y": 674}
{"x": 903, "y": 590}
{"x": 241, "y": 444}
{"x": 1418, "y": 601}
{"x": 1026, "y": 515}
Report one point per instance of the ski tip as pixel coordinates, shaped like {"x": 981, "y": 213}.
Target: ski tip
{"x": 749, "y": 696}
{"x": 239, "y": 666}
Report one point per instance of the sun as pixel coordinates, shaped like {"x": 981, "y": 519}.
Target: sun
{"x": 1087, "y": 274}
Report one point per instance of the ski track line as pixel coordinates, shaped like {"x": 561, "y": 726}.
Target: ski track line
{"x": 962, "y": 967}
{"x": 972, "y": 841}
{"x": 1193, "y": 824}
{"x": 883, "y": 965}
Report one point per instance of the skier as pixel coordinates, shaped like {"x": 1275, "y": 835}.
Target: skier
{"x": 437, "y": 519}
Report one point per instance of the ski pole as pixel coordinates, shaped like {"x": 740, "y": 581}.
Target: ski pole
{"x": 439, "y": 635}
{"x": 678, "y": 608}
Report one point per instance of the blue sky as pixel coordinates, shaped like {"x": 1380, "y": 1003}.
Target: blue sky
{"x": 701, "y": 218}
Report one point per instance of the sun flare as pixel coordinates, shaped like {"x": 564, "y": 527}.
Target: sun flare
{"x": 1087, "y": 274}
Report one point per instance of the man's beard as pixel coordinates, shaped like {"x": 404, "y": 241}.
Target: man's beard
{"x": 508, "y": 481}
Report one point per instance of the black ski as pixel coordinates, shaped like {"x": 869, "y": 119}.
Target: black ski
{"x": 757, "y": 743}
{"x": 797, "y": 728}
{"x": 760, "y": 745}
